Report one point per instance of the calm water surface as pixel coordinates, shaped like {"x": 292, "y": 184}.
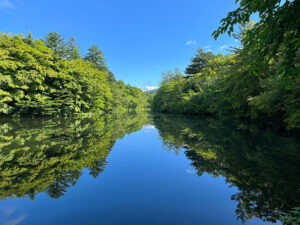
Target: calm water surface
{"x": 162, "y": 170}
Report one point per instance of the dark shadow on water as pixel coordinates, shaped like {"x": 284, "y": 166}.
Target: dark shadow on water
{"x": 263, "y": 166}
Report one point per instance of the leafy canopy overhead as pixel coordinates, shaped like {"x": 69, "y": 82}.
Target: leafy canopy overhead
{"x": 277, "y": 29}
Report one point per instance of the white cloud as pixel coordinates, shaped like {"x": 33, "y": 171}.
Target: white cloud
{"x": 209, "y": 50}
{"x": 223, "y": 46}
{"x": 6, "y": 4}
{"x": 207, "y": 46}
{"x": 149, "y": 88}
{"x": 190, "y": 42}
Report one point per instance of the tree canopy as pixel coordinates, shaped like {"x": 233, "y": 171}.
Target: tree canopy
{"x": 198, "y": 62}
{"x": 95, "y": 55}
{"x": 258, "y": 81}
{"x": 49, "y": 78}
{"x": 275, "y": 37}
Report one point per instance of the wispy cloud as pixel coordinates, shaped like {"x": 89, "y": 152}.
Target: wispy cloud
{"x": 223, "y": 46}
{"x": 207, "y": 47}
{"x": 190, "y": 42}
{"x": 148, "y": 88}
{"x": 6, "y": 4}
{"x": 16, "y": 220}
{"x": 189, "y": 171}
{"x": 8, "y": 216}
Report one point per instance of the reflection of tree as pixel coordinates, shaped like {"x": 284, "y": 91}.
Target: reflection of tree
{"x": 263, "y": 166}
{"x": 98, "y": 167}
{"x": 48, "y": 155}
{"x": 61, "y": 183}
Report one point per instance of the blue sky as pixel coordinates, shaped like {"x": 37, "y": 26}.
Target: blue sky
{"x": 140, "y": 38}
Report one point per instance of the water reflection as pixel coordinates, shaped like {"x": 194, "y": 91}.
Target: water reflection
{"x": 48, "y": 155}
{"x": 264, "y": 167}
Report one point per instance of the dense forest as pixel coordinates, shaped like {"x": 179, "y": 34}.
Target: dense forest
{"x": 260, "y": 80}
{"x": 49, "y": 77}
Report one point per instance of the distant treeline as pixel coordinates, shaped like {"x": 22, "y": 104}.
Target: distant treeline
{"x": 260, "y": 80}
{"x": 49, "y": 77}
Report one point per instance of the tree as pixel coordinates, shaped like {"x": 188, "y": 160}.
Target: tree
{"x": 277, "y": 29}
{"x": 72, "y": 49}
{"x": 56, "y": 43}
{"x": 48, "y": 85}
{"x": 169, "y": 76}
{"x": 240, "y": 35}
{"x": 29, "y": 39}
{"x": 111, "y": 77}
{"x": 198, "y": 62}
{"x": 96, "y": 56}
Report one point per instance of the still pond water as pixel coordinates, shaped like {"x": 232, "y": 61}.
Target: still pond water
{"x": 158, "y": 170}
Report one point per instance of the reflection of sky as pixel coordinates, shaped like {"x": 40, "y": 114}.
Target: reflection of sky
{"x": 148, "y": 128}
{"x": 10, "y": 216}
{"x": 141, "y": 184}
{"x": 189, "y": 171}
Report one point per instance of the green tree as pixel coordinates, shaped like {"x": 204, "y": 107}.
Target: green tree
{"x": 277, "y": 29}
{"x": 34, "y": 81}
{"x": 29, "y": 39}
{"x": 197, "y": 94}
{"x": 259, "y": 81}
{"x": 199, "y": 61}
{"x": 56, "y": 43}
{"x": 96, "y": 56}
{"x": 169, "y": 75}
{"x": 72, "y": 49}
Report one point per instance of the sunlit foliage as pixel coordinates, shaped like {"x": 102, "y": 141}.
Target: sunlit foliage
{"x": 49, "y": 78}
{"x": 260, "y": 80}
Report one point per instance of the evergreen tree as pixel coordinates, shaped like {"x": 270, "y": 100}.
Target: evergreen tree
{"x": 72, "y": 49}
{"x": 198, "y": 62}
{"x": 96, "y": 56}
{"x": 29, "y": 39}
{"x": 56, "y": 42}
{"x": 111, "y": 77}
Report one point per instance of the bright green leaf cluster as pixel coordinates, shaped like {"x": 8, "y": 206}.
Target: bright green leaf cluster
{"x": 49, "y": 78}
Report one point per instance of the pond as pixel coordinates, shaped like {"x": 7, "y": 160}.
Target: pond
{"x": 145, "y": 169}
